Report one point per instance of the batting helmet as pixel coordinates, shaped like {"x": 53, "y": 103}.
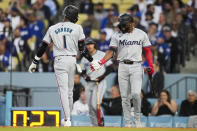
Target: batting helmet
{"x": 71, "y": 13}
{"x": 90, "y": 41}
{"x": 124, "y": 19}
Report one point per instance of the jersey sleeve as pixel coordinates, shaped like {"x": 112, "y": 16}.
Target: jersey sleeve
{"x": 47, "y": 38}
{"x": 114, "y": 41}
{"x": 146, "y": 41}
{"x": 81, "y": 34}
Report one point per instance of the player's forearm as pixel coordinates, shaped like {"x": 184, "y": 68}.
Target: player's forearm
{"x": 149, "y": 56}
{"x": 40, "y": 52}
{"x": 84, "y": 52}
{"x": 108, "y": 55}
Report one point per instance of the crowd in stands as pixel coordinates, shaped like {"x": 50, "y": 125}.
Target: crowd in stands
{"x": 170, "y": 25}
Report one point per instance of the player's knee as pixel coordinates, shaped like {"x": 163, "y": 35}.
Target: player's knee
{"x": 136, "y": 95}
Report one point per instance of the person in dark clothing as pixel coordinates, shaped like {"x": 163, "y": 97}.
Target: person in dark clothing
{"x": 165, "y": 105}
{"x": 189, "y": 106}
{"x": 174, "y": 48}
{"x": 145, "y": 106}
{"x": 77, "y": 87}
{"x": 113, "y": 106}
{"x": 86, "y": 7}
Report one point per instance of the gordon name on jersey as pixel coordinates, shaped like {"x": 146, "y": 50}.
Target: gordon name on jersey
{"x": 65, "y": 37}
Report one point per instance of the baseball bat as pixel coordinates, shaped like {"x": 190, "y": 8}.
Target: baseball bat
{"x": 153, "y": 91}
{"x": 98, "y": 105}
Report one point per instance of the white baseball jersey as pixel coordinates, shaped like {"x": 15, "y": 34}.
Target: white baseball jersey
{"x": 130, "y": 45}
{"x": 85, "y": 64}
{"x": 65, "y": 37}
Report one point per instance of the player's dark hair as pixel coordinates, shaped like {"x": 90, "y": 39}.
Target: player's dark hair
{"x": 168, "y": 95}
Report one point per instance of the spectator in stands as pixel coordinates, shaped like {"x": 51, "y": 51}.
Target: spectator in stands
{"x": 4, "y": 56}
{"x": 182, "y": 37}
{"x": 168, "y": 11}
{"x": 42, "y": 11}
{"x": 99, "y": 12}
{"x": 7, "y": 30}
{"x": 113, "y": 106}
{"x": 162, "y": 22}
{"x": 91, "y": 22}
{"x": 163, "y": 53}
{"x": 103, "y": 44}
{"x": 189, "y": 106}
{"x": 174, "y": 49}
{"x": 137, "y": 23}
{"x": 24, "y": 29}
{"x": 77, "y": 87}
{"x": 51, "y": 4}
{"x": 36, "y": 27}
{"x": 152, "y": 33}
{"x": 145, "y": 106}
{"x": 86, "y": 7}
{"x": 165, "y": 105}
{"x": 19, "y": 44}
{"x": 14, "y": 17}
{"x": 148, "y": 20}
{"x": 80, "y": 107}
{"x": 114, "y": 7}
{"x": 111, "y": 17}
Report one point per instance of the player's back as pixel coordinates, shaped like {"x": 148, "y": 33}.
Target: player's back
{"x": 65, "y": 37}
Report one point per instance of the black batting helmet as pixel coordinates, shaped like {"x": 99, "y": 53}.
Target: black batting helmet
{"x": 90, "y": 41}
{"x": 124, "y": 19}
{"x": 71, "y": 13}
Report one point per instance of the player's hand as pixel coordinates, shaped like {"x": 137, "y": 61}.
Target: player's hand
{"x": 87, "y": 79}
{"x": 95, "y": 65}
{"x": 32, "y": 67}
{"x": 100, "y": 78}
{"x": 150, "y": 70}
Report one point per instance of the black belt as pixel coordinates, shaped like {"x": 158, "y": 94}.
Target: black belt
{"x": 68, "y": 55}
{"x": 127, "y": 61}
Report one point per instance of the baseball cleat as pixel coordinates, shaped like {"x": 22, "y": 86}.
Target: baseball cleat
{"x": 66, "y": 123}
{"x": 138, "y": 124}
{"x": 128, "y": 124}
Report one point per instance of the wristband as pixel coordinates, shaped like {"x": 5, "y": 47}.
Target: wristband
{"x": 102, "y": 61}
{"x": 36, "y": 60}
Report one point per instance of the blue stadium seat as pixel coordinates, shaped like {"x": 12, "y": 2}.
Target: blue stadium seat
{"x": 180, "y": 122}
{"x": 143, "y": 120}
{"x": 160, "y": 121}
{"x": 152, "y": 101}
{"x": 178, "y": 101}
{"x": 2, "y": 111}
{"x": 112, "y": 121}
{"x": 80, "y": 121}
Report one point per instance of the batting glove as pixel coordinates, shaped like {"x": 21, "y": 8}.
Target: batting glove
{"x": 34, "y": 64}
{"x": 150, "y": 70}
{"x": 95, "y": 64}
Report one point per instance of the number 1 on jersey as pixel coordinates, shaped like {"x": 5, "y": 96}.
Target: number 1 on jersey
{"x": 64, "y": 41}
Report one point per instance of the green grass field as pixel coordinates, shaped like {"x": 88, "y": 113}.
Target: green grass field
{"x": 91, "y": 129}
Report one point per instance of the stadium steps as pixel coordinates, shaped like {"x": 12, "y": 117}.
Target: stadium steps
{"x": 190, "y": 66}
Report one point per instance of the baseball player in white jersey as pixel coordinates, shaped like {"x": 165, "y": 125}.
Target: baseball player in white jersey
{"x": 129, "y": 43}
{"x": 67, "y": 38}
{"x": 99, "y": 76}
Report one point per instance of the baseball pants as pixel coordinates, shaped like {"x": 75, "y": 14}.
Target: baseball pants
{"x": 91, "y": 96}
{"x": 130, "y": 82}
{"x": 65, "y": 67}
